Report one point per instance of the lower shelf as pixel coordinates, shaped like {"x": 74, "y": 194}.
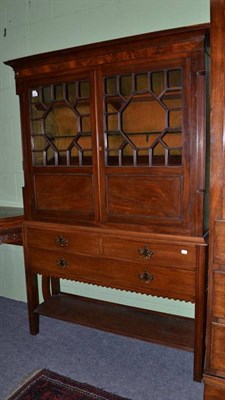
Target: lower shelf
{"x": 164, "y": 329}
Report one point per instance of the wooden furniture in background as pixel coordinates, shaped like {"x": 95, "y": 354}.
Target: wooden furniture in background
{"x": 114, "y": 159}
{"x": 11, "y": 219}
{"x": 214, "y": 378}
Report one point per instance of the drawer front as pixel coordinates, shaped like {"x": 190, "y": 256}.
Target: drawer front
{"x": 150, "y": 253}
{"x": 219, "y": 251}
{"x": 160, "y": 281}
{"x": 80, "y": 243}
{"x": 219, "y": 295}
{"x": 217, "y": 347}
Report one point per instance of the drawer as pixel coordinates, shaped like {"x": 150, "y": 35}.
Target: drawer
{"x": 217, "y": 347}
{"x": 160, "y": 281}
{"x": 150, "y": 253}
{"x": 219, "y": 295}
{"x": 80, "y": 243}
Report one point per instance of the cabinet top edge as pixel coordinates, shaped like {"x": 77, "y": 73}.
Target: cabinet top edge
{"x": 191, "y": 32}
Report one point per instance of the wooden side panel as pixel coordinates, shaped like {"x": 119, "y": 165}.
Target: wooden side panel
{"x": 148, "y": 197}
{"x": 64, "y": 192}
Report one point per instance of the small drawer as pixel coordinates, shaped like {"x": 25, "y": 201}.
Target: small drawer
{"x": 148, "y": 252}
{"x": 219, "y": 295}
{"x": 79, "y": 243}
{"x": 160, "y": 281}
{"x": 60, "y": 264}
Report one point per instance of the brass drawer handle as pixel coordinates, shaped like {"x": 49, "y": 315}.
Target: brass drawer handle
{"x": 61, "y": 241}
{"x": 62, "y": 263}
{"x": 145, "y": 253}
{"x": 145, "y": 276}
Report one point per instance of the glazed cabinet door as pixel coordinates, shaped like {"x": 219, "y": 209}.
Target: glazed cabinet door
{"x": 60, "y": 149}
{"x": 151, "y": 151}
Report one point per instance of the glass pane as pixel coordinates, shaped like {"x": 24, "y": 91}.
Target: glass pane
{"x": 145, "y": 140}
{"x": 39, "y": 142}
{"x": 175, "y": 119}
{"x": 143, "y": 115}
{"x": 111, "y": 85}
{"x": 37, "y": 110}
{"x": 61, "y": 121}
{"x": 174, "y": 78}
{"x": 172, "y": 99}
{"x": 157, "y": 82}
{"x": 158, "y": 155}
{"x": 173, "y": 139}
{"x": 115, "y": 141}
{"x": 126, "y": 85}
{"x": 142, "y": 82}
{"x": 175, "y": 157}
{"x": 51, "y": 157}
{"x": 36, "y": 126}
{"x": 71, "y": 92}
{"x": 139, "y": 110}
{"x": 112, "y": 122}
{"x": 82, "y": 108}
{"x": 113, "y": 104}
{"x": 143, "y": 157}
{"x": 47, "y": 94}
{"x": 85, "y": 124}
{"x": 112, "y": 157}
{"x": 84, "y": 142}
{"x": 84, "y": 89}
{"x": 62, "y": 143}
{"x": 38, "y": 158}
{"x": 60, "y": 115}
{"x": 59, "y": 95}
{"x": 87, "y": 159}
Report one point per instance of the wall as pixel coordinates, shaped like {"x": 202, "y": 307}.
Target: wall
{"x": 34, "y": 26}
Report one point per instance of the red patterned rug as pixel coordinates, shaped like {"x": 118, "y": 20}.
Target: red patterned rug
{"x": 47, "y": 385}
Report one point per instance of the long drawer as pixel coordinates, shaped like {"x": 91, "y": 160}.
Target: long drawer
{"x": 155, "y": 280}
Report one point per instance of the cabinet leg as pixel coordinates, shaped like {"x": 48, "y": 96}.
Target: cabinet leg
{"x": 55, "y": 282}
{"x": 32, "y": 302}
{"x": 200, "y": 314}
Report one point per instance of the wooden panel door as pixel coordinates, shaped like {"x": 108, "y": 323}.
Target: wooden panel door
{"x": 154, "y": 139}
{"x": 60, "y": 148}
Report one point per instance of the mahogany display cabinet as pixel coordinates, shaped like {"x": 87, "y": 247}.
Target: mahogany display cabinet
{"x": 114, "y": 150}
